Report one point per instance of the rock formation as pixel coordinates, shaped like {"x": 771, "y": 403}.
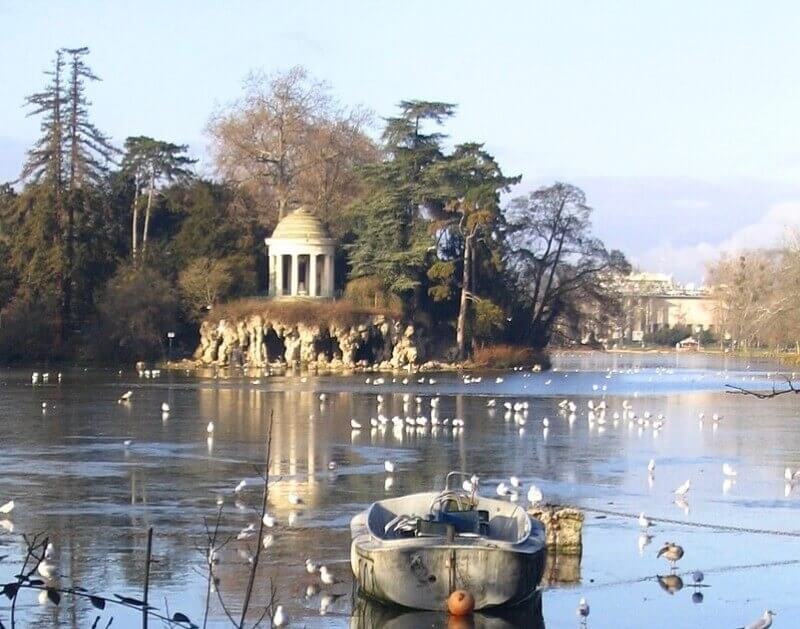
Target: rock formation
{"x": 258, "y": 341}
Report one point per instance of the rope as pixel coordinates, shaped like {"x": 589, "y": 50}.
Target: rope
{"x": 702, "y": 525}
{"x": 688, "y": 573}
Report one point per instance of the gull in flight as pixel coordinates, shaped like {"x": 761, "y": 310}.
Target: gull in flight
{"x": 683, "y": 489}
{"x": 764, "y": 622}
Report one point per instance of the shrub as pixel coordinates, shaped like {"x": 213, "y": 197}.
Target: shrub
{"x": 28, "y": 329}
{"x": 370, "y": 292}
{"x": 507, "y": 356}
{"x": 204, "y": 283}
{"x": 136, "y": 309}
{"x": 489, "y": 320}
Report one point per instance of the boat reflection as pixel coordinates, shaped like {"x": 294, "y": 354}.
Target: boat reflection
{"x": 369, "y": 614}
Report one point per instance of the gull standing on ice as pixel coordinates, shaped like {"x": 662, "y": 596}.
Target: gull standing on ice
{"x": 683, "y": 489}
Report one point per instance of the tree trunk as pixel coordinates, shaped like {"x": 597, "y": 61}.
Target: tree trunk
{"x": 150, "y": 193}
{"x": 461, "y": 326}
{"x": 135, "y": 226}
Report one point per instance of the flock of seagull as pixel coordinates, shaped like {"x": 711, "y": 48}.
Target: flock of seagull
{"x": 597, "y": 414}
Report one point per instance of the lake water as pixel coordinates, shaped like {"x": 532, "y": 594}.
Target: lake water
{"x": 72, "y": 477}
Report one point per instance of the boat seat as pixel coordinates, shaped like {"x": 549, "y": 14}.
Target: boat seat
{"x": 471, "y": 522}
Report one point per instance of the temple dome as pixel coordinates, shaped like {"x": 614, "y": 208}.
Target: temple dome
{"x": 300, "y": 225}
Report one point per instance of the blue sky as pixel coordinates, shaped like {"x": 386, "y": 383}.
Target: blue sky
{"x": 676, "y": 118}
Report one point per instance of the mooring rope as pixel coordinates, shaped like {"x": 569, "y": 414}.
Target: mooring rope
{"x": 702, "y": 525}
{"x": 689, "y": 573}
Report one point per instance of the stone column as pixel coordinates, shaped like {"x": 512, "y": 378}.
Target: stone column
{"x": 278, "y": 291}
{"x": 329, "y": 284}
{"x": 295, "y": 272}
{"x": 271, "y": 274}
{"x": 312, "y": 275}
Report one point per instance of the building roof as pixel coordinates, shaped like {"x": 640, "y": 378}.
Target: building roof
{"x": 300, "y": 225}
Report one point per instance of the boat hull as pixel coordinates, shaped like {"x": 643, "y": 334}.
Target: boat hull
{"x": 421, "y": 574}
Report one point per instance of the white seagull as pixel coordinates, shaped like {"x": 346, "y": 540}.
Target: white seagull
{"x": 683, "y": 489}
{"x": 389, "y": 467}
{"x": 764, "y": 622}
{"x": 583, "y": 609}
{"x": 644, "y": 522}
{"x": 727, "y": 470}
{"x": 354, "y": 424}
{"x": 280, "y": 618}
{"x": 242, "y": 484}
{"x": 164, "y": 407}
{"x": 7, "y": 507}
{"x": 534, "y": 495}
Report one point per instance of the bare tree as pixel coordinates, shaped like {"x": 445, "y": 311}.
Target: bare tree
{"x": 287, "y": 142}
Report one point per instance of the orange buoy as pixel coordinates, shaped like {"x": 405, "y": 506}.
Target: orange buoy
{"x": 461, "y": 603}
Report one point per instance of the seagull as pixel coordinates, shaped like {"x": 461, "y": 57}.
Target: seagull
{"x": 247, "y": 532}
{"x": 727, "y": 470}
{"x": 683, "y": 489}
{"x": 491, "y": 403}
{"x": 644, "y": 522}
{"x": 125, "y": 397}
{"x": 281, "y": 618}
{"x": 242, "y": 484}
{"x": 514, "y": 482}
{"x": 498, "y": 380}
{"x": 49, "y": 551}
{"x": 651, "y": 466}
{"x": 503, "y": 490}
{"x": 294, "y": 499}
{"x": 534, "y": 495}
{"x": 764, "y": 622}
{"x": 47, "y": 569}
{"x": 164, "y": 407}
{"x": 389, "y": 467}
{"x": 354, "y": 424}
{"x": 332, "y": 466}
{"x": 268, "y": 520}
{"x": 7, "y": 507}
{"x": 127, "y": 443}
{"x": 326, "y": 576}
{"x": 583, "y": 609}
{"x": 311, "y": 567}
{"x": 672, "y": 553}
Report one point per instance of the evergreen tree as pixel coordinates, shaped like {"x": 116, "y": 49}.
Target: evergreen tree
{"x": 151, "y": 163}
{"x": 391, "y": 220}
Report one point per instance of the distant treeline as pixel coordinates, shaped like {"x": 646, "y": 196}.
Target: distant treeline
{"x": 106, "y": 248}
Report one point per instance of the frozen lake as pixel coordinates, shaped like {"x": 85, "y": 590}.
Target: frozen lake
{"x": 72, "y": 477}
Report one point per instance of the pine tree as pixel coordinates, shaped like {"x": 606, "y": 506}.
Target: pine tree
{"x": 152, "y": 162}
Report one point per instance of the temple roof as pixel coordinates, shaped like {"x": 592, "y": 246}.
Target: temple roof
{"x": 300, "y": 225}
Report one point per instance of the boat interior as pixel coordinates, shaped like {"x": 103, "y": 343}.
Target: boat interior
{"x": 448, "y": 514}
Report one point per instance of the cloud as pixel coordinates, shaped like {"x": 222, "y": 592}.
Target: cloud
{"x": 688, "y": 262}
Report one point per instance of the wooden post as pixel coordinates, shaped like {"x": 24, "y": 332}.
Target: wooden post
{"x": 147, "y": 576}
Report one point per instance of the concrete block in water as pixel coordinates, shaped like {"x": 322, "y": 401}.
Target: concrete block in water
{"x": 563, "y": 528}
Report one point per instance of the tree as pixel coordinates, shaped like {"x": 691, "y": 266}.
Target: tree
{"x": 71, "y": 154}
{"x": 391, "y": 219}
{"x": 470, "y": 181}
{"x": 204, "y": 283}
{"x": 560, "y": 270}
{"x": 287, "y": 142}
{"x": 152, "y": 163}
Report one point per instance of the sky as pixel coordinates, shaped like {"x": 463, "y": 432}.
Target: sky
{"x": 678, "y": 119}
